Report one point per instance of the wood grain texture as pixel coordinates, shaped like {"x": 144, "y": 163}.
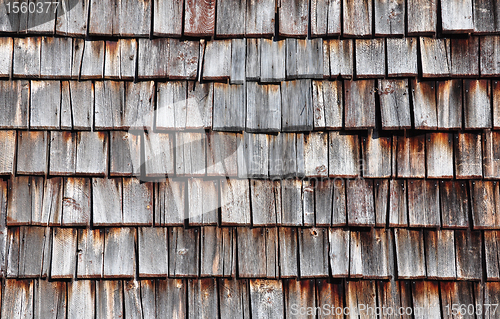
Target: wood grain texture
{"x": 371, "y": 254}
{"x": 153, "y": 58}
{"x": 389, "y": 17}
{"x": 91, "y": 153}
{"x": 222, "y": 154}
{"x": 55, "y": 57}
{"x": 341, "y": 58}
{"x": 381, "y": 201}
{"x": 184, "y": 248}
{"x": 402, "y": 57}
{"x": 120, "y": 59}
{"x": 344, "y": 155}
{"x": 119, "y": 252}
{"x": 370, "y": 58}
{"x": 421, "y": 17}
{"x": 485, "y": 198}
{"x": 357, "y": 17}
{"x": 137, "y": 202}
{"x": 272, "y": 60}
{"x": 440, "y": 254}
{"x": 424, "y": 104}
{"x": 398, "y": 208}
{"x": 394, "y": 104}
{"x": 72, "y": 22}
{"x": 439, "y": 155}
{"x": 159, "y": 154}
{"x": 410, "y": 253}
{"x": 64, "y": 252}
{"x": 49, "y": 299}
{"x": 468, "y": 254}
{"x": 477, "y": 104}
{"x": 492, "y": 254}
{"x": 266, "y": 299}
{"x": 217, "y": 252}
{"x": 489, "y": 56}
{"x": 265, "y": 202}
{"x": 92, "y": 65}
{"x": 109, "y": 299}
{"x": 29, "y": 144}
{"x": 304, "y": 58}
{"x": 231, "y": 18}
{"x": 190, "y": 157}
{"x": 167, "y": 18}
{"x": 313, "y": 252}
{"x": 359, "y": 104}
{"x": 169, "y": 207}
{"x": 153, "y": 251}
{"x": 6, "y": 52}
{"x": 360, "y": 293}
{"x": 203, "y": 202}
{"x": 257, "y": 252}
{"x": 235, "y": 202}
{"x": 8, "y": 143}
{"x": 496, "y": 104}
{"x": 234, "y": 298}
{"x": 291, "y": 202}
{"x": 468, "y": 156}
{"x": 238, "y": 57}
{"x": 449, "y": 104}
{"x": 45, "y": 105}
{"x": 360, "y": 203}
{"x": 124, "y": 154}
{"x": 316, "y": 154}
{"x": 486, "y": 18}
{"x": 217, "y": 60}
{"x": 435, "y": 56}
{"x": 328, "y": 104}
{"x": 288, "y": 252}
{"x": 252, "y": 155}
{"x": 423, "y": 203}
{"x": 27, "y": 56}
{"x": 376, "y": 155}
{"x": 90, "y": 253}
{"x": 491, "y": 154}
{"x": 263, "y": 107}
{"x": 296, "y": 106}
{"x": 454, "y": 200}
{"x": 203, "y": 297}
{"x": 260, "y": 18}
{"x": 293, "y": 17}
{"x": 17, "y": 298}
{"x": 426, "y": 296}
{"x": 81, "y": 299}
{"x": 76, "y": 201}
{"x": 229, "y": 107}
{"x": 465, "y": 57}
{"x": 199, "y": 18}
{"x": 457, "y": 16}
{"x": 14, "y": 104}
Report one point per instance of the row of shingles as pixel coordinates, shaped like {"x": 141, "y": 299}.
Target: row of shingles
{"x": 296, "y": 18}
{"x": 251, "y": 59}
{"x": 260, "y": 298}
{"x": 291, "y": 106}
{"x": 65, "y": 253}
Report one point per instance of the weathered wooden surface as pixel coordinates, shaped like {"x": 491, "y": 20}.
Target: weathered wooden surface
{"x": 341, "y": 58}
{"x": 477, "y": 104}
{"x": 402, "y": 57}
{"x": 440, "y": 254}
{"x": 167, "y": 17}
{"x": 449, "y": 104}
{"x": 107, "y": 201}
{"x": 169, "y": 208}
{"x": 119, "y": 253}
{"x": 296, "y": 106}
{"x": 492, "y": 254}
{"x": 50, "y": 299}
{"x": 217, "y": 252}
{"x": 231, "y": 18}
{"x": 370, "y": 58}
{"x": 91, "y": 153}
{"x": 457, "y": 17}
{"x": 486, "y": 18}
{"x": 360, "y": 293}
{"x": 32, "y": 151}
{"x": 199, "y": 18}
{"x": 435, "y": 57}
{"x": 64, "y": 248}
{"x": 376, "y": 155}
{"x": 491, "y": 154}
{"x": 359, "y": 104}
{"x": 90, "y": 253}
{"x": 465, "y": 57}
{"x": 468, "y": 256}
{"x": 316, "y": 154}
{"x": 260, "y": 18}
{"x": 55, "y": 61}
{"x": 360, "y": 203}
{"x": 410, "y": 253}
{"x": 257, "y": 252}
{"x": 398, "y": 208}
{"x": 266, "y": 299}
{"x": 153, "y": 251}
{"x": 92, "y": 63}
{"x": 389, "y": 17}
{"x": 203, "y": 202}
{"x": 265, "y": 202}
{"x": 76, "y": 202}
{"x": 14, "y": 104}
{"x": 468, "y": 156}
{"x": 26, "y": 61}
{"x": 190, "y": 157}
{"x": 328, "y": 104}
{"x": 293, "y": 17}
{"x": 357, "y": 17}
{"x": 313, "y": 252}
{"x": 217, "y": 60}
{"x": 454, "y": 200}
{"x": 439, "y": 155}
{"x": 394, "y": 104}
{"x": 229, "y": 107}
{"x": 17, "y": 299}
{"x": 158, "y": 154}
{"x": 423, "y": 203}
{"x": 421, "y": 17}
{"x": 124, "y": 154}
{"x": 263, "y": 108}
{"x": 371, "y": 254}
{"x": 272, "y": 60}
{"x": 222, "y": 154}
{"x": 109, "y": 299}
{"x": 485, "y": 196}
{"x": 489, "y": 56}
{"x": 7, "y": 151}
{"x": 120, "y": 59}
{"x": 252, "y": 155}
{"x": 184, "y": 248}
{"x": 344, "y": 155}
{"x": 153, "y": 57}
{"x": 426, "y": 297}
{"x": 235, "y": 202}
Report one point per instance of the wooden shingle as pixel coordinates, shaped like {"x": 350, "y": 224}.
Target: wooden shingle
{"x": 376, "y": 155}
{"x": 170, "y": 297}
{"x": 120, "y": 59}
{"x": 235, "y": 202}
{"x": 238, "y": 60}
{"x": 421, "y": 17}
{"x": 222, "y": 154}
{"x": 439, "y": 155}
{"x": 90, "y": 253}
{"x": 107, "y": 201}
{"x": 339, "y": 252}
{"x": 457, "y": 17}
{"x": 25, "y": 199}
{"x": 460, "y": 292}
{"x": 425, "y": 295}
{"x": 304, "y": 58}
{"x": 77, "y": 57}
{"x": 137, "y": 202}
{"x": 360, "y": 293}
{"x": 203, "y": 298}
{"x": 199, "y": 105}
{"x": 81, "y": 299}
{"x": 167, "y": 18}
{"x": 203, "y": 202}
{"x": 359, "y": 104}
{"x": 394, "y": 104}
{"x": 328, "y": 104}
{"x": 360, "y": 203}
{"x": 381, "y": 202}
{"x": 266, "y": 299}
{"x": 491, "y": 154}
{"x": 454, "y": 199}
{"x": 32, "y": 151}
{"x": 34, "y": 241}
{"x": 171, "y": 105}
{"x": 263, "y": 107}
{"x": 109, "y": 104}
{"x": 199, "y": 18}
{"x": 231, "y": 18}
{"x": 288, "y": 252}
{"x": 313, "y": 252}
{"x": 283, "y": 159}
{"x": 485, "y": 198}
{"x": 50, "y": 299}
{"x": 389, "y": 17}
{"x": 435, "y": 56}
{"x": 8, "y": 141}
{"x": 119, "y": 252}
{"x": 234, "y": 298}
{"x": 139, "y": 105}
{"x": 496, "y": 104}
{"x": 190, "y": 158}
{"x": 394, "y": 294}
{"x": 217, "y": 60}
{"x": 6, "y": 51}
{"x": 76, "y": 202}
{"x": 257, "y": 252}
{"x": 398, "y": 208}
{"x": 55, "y": 57}
{"x": 64, "y": 250}
{"x": 357, "y": 15}
{"x": 291, "y": 202}
{"x": 51, "y": 214}
{"x": 252, "y": 59}
{"x": 153, "y": 58}
{"x": 477, "y": 104}
{"x": 260, "y": 18}
{"x": 27, "y": 56}
{"x": 109, "y": 299}
{"x": 341, "y": 58}
{"x": 468, "y": 156}
{"x": 293, "y": 17}
{"x": 169, "y": 206}
{"x": 153, "y": 251}
{"x": 45, "y": 105}
{"x": 440, "y": 254}
{"x": 370, "y": 58}
{"x": 217, "y": 252}
{"x": 465, "y": 57}
{"x": 489, "y": 56}
{"x": 449, "y": 104}
{"x": 72, "y": 21}
{"x": 229, "y": 107}
{"x": 469, "y": 255}
{"x": 17, "y": 298}
{"x": 124, "y": 154}
{"x": 91, "y": 153}
{"x": 402, "y": 57}
{"x": 14, "y": 104}
{"x": 344, "y": 155}
{"x": 423, "y": 203}
{"x": 272, "y": 60}
{"x": 316, "y": 154}
{"x": 410, "y": 253}
{"x": 12, "y": 253}
{"x": 492, "y": 253}
{"x": 92, "y": 65}
{"x": 486, "y": 18}
{"x": 299, "y": 293}
{"x": 265, "y": 202}
{"x": 78, "y": 102}
{"x": 184, "y": 248}
{"x": 296, "y": 106}
{"x": 319, "y": 11}
{"x": 371, "y": 254}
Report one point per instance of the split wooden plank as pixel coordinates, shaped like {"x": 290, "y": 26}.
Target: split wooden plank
{"x": 296, "y": 106}
{"x": 469, "y": 255}
{"x": 468, "y": 156}
{"x": 339, "y": 252}
{"x": 423, "y": 203}
{"x": 449, "y": 104}
{"x": 171, "y": 298}
{"x": 229, "y": 107}
{"x": 457, "y": 17}
{"x": 92, "y": 65}
{"x": 389, "y": 18}
{"x": 124, "y": 154}
{"x": 293, "y": 17}
{"x": 109, "y": 299}
{"x": 357, "y": 17}
{"x": 485, "y": 198}
{"x": 91, "y": 153}
{"x": 27, "y": 56}
{"x": 104, "y": 18}
{"x": 167, "y": 18}
{"x": 81, "y": 104}
{"x": 153, "y": 58}
{"x": 231, "y": 19}
{"x": 6, "y": 52}
{"x": 8, "y": 141}
{"x": 4, "y": 242}
{"x": 147, "y": 295}
{"x": 330, "y": 202}
{"x": 32, "y": 143}
{"x": 283, "y": 155}
{"x": 426, "y": 297}
{"x": 199, "y": 18}
{"x": 259, "y": 19}
{"x": 371, "y": 254}
{"x": 460, "y": 292}
{"x": 454, "y": 204}
{"x": 234, "y": 298}
{"x": 496, "y": 105}
{"x": 263, "y": 108}
{"x": 491, "y": 154}
{"x": 465, "y": 57}
{"x": 435, "y": 58}
{"x": 370, "y": 58}
{"x": 492, "y": 253}
{"x": 381, "y": 201}
{"x": 394, "y": 104}
{"x": 137, "y": 202}
{"x": 330, "y": 293}
{"x": 360, "y": 203}
{"x": 109, "y": 104}
{"x": 64, "y": 250}
{"x": 421, "y": 17}
{"x": 107, "y": 201}
{"x": 316, "y": 154}
{"x": 153, "y": 251}
{"x": 76, "y": 61}
{"x": 439, "y": 155}
{"x": 184, "y": 252}
{"x": 361, "y": 294}
{"x": 203, "y": 298}
{"x": 55, "y": 57}
{"x": 25, "y": 199}
{"x": 50, "y": 212}
{"x": 222, "y": 154}
{"x": 159, "y": 154}
{"x": 120, "y": 59}
{"x": 135, "y": 18}
{"x": 410, "y": 253}
{"x": 76, "y": 202}
{"x": 45, "y": 105}
{"x": 272, "y": 60}
{"x": 489, "y": 56}
{"x": 440, "y": 254}
{"x": 341, "y": 58}
{"x": 319, "y": 11}
{"x": 398, "y": 209}
{"x": 183, "y": 59}
{"x": 344, "y": 155}
{"x": 169, "y": 206}
{"x": 288, "y": 252}
{"x": 50, "y": 299}
{"x": 477, "y": 104}
{"x": 190, "y": 157}
{"x": 257, "y": 252}
{"x": 14, "y": 104}
{"x": 376, "y": 155}
{"x": 203, "y": 201}
{"x": 304, "y": 58}
{"x": 199, "y": 105}
{"x": 217, "y": 60}
{"x": 252, "y": 60}
{"x": 90, "y": 253}
{"x": 217, "y": 252}
{"x": 395, "y": 295}
{"x": 266, "y": 299}
{"x": 34, "y": 241}
{"x": 132, "y": 300}
{"x": 328, "y": 104}
{"x": 119, "y": 253}
{"x": 359, "y": 104}
{"x": 402, "y": 57}
{"x": 235, "y": 202}
{"x": 72, "y": 18}
{"x": 17, "y": 298}
{"x": 81, "y": 299}
{"x": 265, "y": 202}
{"x": 313, "y": 252}
{"x": 291, "y": 202}
{"x": 12, "y": 253}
